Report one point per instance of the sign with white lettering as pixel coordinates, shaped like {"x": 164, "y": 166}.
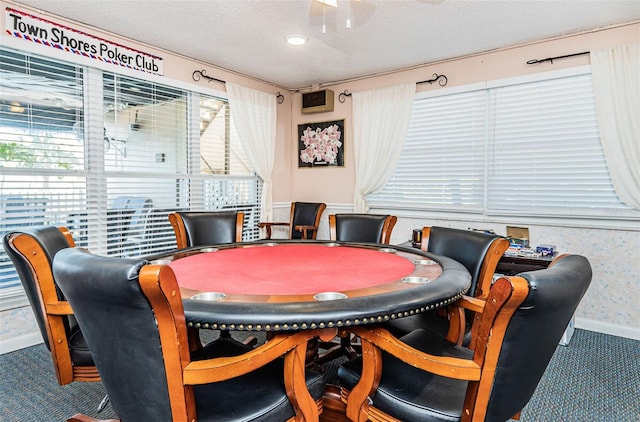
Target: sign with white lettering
{"x": 44, "y": 32}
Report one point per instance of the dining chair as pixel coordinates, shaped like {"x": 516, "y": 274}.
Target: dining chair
{"x": 423, "y": 377}
{"x": 371, "y": 228}
{"x": 304, "y": 221}
{"x": 32, "y": 251}
{"x": 479, "y": 253}
{"x": 200, "y": 228}
{"x": 134, "y": 323}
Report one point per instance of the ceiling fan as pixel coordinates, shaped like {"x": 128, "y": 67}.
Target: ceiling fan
{"x": 351, "y": 12}
{"x": 330, "y": 13}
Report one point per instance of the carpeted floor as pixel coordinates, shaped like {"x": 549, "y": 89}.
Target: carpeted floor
{"x": 596, "y": 378}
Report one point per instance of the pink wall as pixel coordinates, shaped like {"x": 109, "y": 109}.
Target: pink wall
{"x": 335, "y": 185}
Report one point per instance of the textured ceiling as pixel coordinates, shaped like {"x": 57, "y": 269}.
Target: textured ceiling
{"x": 248, "y": 36}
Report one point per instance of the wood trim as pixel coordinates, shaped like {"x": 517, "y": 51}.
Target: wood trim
{"x": 387, "y": 228}
{"x": 179, "y": 230}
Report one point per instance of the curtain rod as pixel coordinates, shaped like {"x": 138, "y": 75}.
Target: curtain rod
{"x": 441, "y": 79}
{"x": 199, "y": 74}
{"x": 551, "y": 59}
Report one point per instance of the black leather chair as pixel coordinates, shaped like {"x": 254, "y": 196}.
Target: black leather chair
{"x": 303, "y": 223}
{"x": 32, "y": 251}
{"x": 200, "y": 228}
{"x": 422, "y": 377}
{"x": 366, "y": 228}
{"x": 371, "y": 228}
{"x": 479, "y": 253}
{"x": 133, "y": 319}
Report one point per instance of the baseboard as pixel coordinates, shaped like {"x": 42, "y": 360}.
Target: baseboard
{"x": 608, "y": 328}
{"x": 20, "y": 342}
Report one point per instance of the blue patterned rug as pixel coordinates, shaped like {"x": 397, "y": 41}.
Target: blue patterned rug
{"x": 596, "y": 378}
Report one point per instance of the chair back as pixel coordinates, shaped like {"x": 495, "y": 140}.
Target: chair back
{"x": 121, "y": 329}
{"x": 478, "y": 252}
{"x": 370, "y": 228}
{"x": 32, "y": 252}
{"x": 23, "y": 247}
{"x": 534, "y": 332}
{"x": 305, "y": 214}
{"x": 207, "y": 227}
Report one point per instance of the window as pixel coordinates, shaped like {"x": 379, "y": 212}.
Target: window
{"x": 41, "y": 161}
{"x": 110, "y": 156}
{"x": 525, "y": 148}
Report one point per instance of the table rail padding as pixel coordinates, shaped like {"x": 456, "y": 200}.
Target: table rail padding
{"x": 452, "y": 283}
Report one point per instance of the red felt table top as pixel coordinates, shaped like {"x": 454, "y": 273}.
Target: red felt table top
{"x": 289, "y": 269}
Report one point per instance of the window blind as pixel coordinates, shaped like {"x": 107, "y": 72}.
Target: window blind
{"x": 545, "y": 152}
{"x": 520, "y": 149}
{"x": 442, "y": 162}
{"x": 41, "y": 160}
{"x": 110, "y": 156}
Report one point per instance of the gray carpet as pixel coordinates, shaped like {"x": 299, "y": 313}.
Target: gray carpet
{"x": 596, "y": 378}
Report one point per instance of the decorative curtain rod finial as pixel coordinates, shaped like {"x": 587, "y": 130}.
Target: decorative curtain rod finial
{"x": 342, "y": 97}
{"x": 441, "y": 79}
{"x": 198, "y": 74}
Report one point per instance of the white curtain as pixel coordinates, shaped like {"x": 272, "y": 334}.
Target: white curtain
{"x": 616, "y": 84}
{"x": 254, "y": 115}
{"x": 380, "y": 123}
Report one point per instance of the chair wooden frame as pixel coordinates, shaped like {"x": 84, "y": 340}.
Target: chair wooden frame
{"x": 385, "y": 237}
{"x": 456, "y": 314}
{"x": 159, "y": 286}
{"x": 182, "y": 239}
{"x": 308, "y": 232}
{"x": 503, "y": 300}
{"x": 55, "y": 311}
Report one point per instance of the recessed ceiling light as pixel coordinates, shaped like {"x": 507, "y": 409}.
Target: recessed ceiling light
{"x": 296, "y": 39}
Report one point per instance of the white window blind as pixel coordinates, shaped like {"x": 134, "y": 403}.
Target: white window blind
{"x": 110, "y": 156}
{"x": 546, "y": 156}
{"x": 519, "y": 149}
{"x": 442, "y": 163}
{"x": 41, "y": 160}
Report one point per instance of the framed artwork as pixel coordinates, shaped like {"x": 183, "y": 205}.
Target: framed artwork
{"x": 321, "y": 144}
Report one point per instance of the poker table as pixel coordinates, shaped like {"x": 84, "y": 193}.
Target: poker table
{"x": 290, "y": 285}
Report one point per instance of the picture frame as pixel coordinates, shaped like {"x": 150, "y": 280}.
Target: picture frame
{"x": 321, "y": 144}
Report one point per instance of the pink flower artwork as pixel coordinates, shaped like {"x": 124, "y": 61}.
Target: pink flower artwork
{"x": 321, "y": 146}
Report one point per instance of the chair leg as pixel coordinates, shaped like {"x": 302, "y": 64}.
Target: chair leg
{"x": 103, "y": 403}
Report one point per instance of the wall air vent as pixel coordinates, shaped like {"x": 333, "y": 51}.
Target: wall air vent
{"x": 317, "y": 101}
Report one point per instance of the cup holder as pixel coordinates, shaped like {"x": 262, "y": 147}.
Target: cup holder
{"x": 425, "y": 262}
{"x": 415, "y": 280}
{"x": 209, "y": 296}
{"x": 329, "y": 296}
